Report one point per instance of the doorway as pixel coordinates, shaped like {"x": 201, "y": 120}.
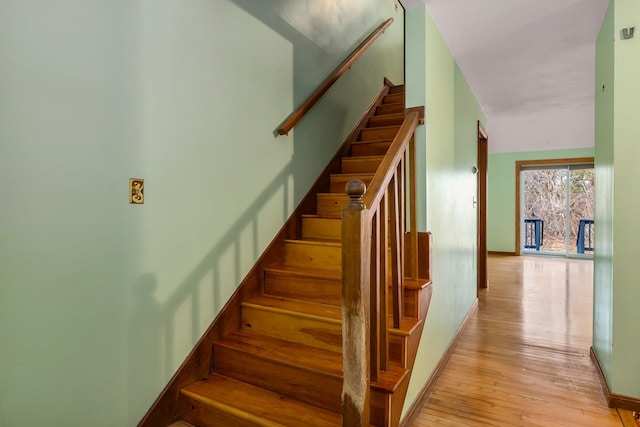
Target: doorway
{"x": 556, "y": 207}
{"x": 482, "y": 172}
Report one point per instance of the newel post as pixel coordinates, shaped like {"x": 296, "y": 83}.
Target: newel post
{"x": 356, "y": 250}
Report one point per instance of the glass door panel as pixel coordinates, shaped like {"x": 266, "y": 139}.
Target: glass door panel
{"x": 581, "y": 208}
{"x": 545, "y": 210}
{"x": 558, "y": 208}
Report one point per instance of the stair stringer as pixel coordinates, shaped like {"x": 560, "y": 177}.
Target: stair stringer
{"x": 400, "y": 395}
{"x": 198, "y": 364}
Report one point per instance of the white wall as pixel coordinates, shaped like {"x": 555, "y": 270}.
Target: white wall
{"x": 547, "y": 130}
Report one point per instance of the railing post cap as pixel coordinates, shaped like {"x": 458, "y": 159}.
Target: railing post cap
{"x": 355, "y": 189}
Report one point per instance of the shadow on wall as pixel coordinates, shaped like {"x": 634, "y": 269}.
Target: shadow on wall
{"x": 321, "y": 32}
{"x": 154, "y": 328}
{"x": 144, "y": 342}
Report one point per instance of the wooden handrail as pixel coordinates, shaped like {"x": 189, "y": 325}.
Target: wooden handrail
{"x": 303, "y": 109}
{"x": 383, "y": 177}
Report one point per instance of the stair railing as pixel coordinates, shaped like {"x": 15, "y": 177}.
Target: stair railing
{"x": 307, "y": 105}
{"x": 373, "y": 253}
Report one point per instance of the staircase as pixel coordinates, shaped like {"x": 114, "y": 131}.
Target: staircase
{"x": 278, "y": 361}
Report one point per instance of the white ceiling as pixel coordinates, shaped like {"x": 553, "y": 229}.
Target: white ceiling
{"x": 523, "y": 56}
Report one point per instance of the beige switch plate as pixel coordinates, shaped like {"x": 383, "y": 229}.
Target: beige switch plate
{"x": 136, "y": 191}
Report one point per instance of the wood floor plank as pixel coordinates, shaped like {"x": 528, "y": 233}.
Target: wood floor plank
{"x": 523, "y": 358}
{"x": 627, "y": 418}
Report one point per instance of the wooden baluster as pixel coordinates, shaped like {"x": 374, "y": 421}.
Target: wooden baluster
{"x": 403, "y": 221}
{"x": 396, "y": 266}
{"x": 413, "y": 214}
{"x": 356, "y": 255}
{"x": 383, "y": 349}
{"x": 376, "y": 332}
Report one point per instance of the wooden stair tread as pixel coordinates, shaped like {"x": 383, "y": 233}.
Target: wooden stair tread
{"x": 319, "y": 217}
{"x": 304, "y": 309}
{"x": 385, "y": 127}
{"x": 392, "y": 104}
{"x": 333, "y": 195}
{"x": 181, "y": 424}
{"x": 390, "y": 380}
{"x": 416, "y": 284}
{"x": 373, "y": 141}
{"x": 393, "y": 98}
{"x": 315, "y": 242}
{"x": 352, "y": 175}
{"x": 294, "y": 270}
{"x": 321, "y": 240}
{"x": 285, "y": 352}
{"x": 407, "y": 326}
{"x": 259, "y": 406}
{"x": 394, "y": 115}
{"x": 362, "y": 158}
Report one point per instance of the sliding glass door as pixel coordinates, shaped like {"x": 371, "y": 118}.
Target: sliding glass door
{"x": 557, "y": 207}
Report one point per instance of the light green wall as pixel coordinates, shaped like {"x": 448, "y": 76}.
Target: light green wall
{"x": 625, "y": 369}
{"x": 100, "y": 301}
{"x": 501, "y": 190}
{"x": 447, "y": 144}
{"x": 415, "y": 95}
{"x": 604, "y": 137}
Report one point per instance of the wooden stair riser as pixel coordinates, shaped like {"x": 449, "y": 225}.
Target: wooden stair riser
{"x": 331, "y": 204}
{"x": 396, "y": 89}
{"x": 318, "y": 228}
{"x": 410, "y": 299}
{"x": 339, "y": 182}
{"x": 379, "y": 133}
{"x": 364, "y": 164}
{"x": 200, "y": 414}
{"x": 314, "y": 387}
{"x": 393, "y": 98}
{"x": 382, "y": 405}
{"x": 370, "y": 148}
{"x": 306, "y": 288}
{"x": 398, "y": 349}
{"x": 317, "y": 255}
{"x": 379, "y": 408}
{"x": 386, "y": 120}
{"x": 314, "y": 332}
{"x": 390, "y": 108}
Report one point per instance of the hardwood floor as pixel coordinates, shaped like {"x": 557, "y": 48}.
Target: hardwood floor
{"x": 523, "y": 359}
